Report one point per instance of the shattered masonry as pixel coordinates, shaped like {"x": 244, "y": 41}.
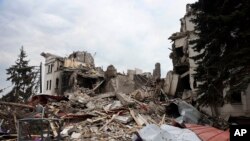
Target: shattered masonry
{"x": 88, "y": 103}
{"x": 181, "y": 83}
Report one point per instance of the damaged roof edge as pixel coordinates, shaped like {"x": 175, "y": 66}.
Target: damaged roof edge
{"x": 46, "y": 55}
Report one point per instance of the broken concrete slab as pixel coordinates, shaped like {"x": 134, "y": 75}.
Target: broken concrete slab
{"x": 90, "y": 105}
{"x": 171, "y": 83}
{"x": 121, "y": 83}
{"x": 76, "y": 135}
{"x": 140, "y": 95}
{"x": 111, "y": 72}
{"x": 123, "y": 119}
{"x": 125, "y": 99}
{"x": 156, "y": 108}
{"x": 64, "y": 132}
{"x": 139, "y": 119}
{"x": 112, "y": 106}
{"x": 187, "y": 96}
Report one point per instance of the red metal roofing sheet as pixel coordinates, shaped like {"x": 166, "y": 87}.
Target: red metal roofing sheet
{"x": 207, "y": 133}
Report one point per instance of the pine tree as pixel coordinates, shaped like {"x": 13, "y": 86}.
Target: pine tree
{"x": 224, "y": 32}
{"x": 22, "y": 77}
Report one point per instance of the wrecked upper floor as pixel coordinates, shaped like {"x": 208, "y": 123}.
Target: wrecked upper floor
{"x": 75, "y": 60}
{"x": 64, "y": 73}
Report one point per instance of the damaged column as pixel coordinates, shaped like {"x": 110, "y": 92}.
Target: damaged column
{"x": 157, "y": 71}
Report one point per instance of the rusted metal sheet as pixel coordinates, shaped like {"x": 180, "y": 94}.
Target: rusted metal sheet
{"x": 43, "y": 99}
{"x": 207, "y": 133}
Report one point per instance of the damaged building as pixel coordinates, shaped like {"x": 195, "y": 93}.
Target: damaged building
{"x": 83, "y": 102}
{"x": 70, "y": 73}
{"x": 181, "y": 83}
{"x": 78, "y": 72}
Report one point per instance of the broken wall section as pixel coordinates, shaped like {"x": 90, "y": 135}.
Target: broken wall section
{"x": 80, "y": 58}
{"x": 77, "y": 71}
{"x": 180, "y": 82}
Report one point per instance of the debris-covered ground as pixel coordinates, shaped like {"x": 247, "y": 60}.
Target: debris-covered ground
{"x": 91, "y": 104}
{"x": 104, "y": 116}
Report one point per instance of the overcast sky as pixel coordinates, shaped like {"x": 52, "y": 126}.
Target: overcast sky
{"x": 126, "y": 33}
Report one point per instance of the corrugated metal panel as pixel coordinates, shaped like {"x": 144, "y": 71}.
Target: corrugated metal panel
{"x": 207, "y": 133}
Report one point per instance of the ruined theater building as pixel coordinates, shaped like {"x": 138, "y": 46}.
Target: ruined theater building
{"x": 62, "y": 74}
{"x": 181, "y": 83}
{"x": 78, "y": 72}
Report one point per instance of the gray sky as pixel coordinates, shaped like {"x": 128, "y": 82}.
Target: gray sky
{"x": 126, "y": 33}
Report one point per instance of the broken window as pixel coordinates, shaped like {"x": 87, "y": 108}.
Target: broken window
{"x": 236, "y": 98}
{"x": 182, "y": 86}
{"x": 57, "y": 83}
{"x": 59, "y": 65}
{"x": 181, "y": 69}
{"x": 50, "y": 85}
{"x": 48, "y": 68}
{"x": 47, "y": 85}
{"x": 86, "y": 82}
{"x": 51, "y": 67}
{"x": 185, "y": 82}
{"x": 179, "y": 51}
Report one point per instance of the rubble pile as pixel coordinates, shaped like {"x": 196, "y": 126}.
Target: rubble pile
{"x": 10, "y": 113}
{"x": 107, "y": 116}
{"x": 87, "y": 103}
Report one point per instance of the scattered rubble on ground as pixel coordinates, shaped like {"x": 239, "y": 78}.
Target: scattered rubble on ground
{"x": 97, "y": 105}
{"x": 112, "y": 115}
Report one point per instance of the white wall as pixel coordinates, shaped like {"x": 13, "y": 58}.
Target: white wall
{"x": 189, "y": 25}
{"x": 192, "y": 63}
{"x": 180, "y": 42}
{"x": 53, "y": 75}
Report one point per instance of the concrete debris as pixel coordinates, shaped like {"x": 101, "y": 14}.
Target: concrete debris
{"x": 137, "y": 120}
{"x": 181, "y": 82}
{"x": 65, "y": 131}
{"x": 105, "y": 116}
{"x": 110, "y": 116}
{"x": 157, "y": 71}
{"x": 121, "y": 83}
{"x": 166, "y": 132}
{"x": 95, "y": 105}
{"x": 76, "y": 135}
{"x": 111, "y": 72}
{"x": 140, "y": 95}
{"x": 125, "y": 99}
{"x": 90, "y": 105}
{"x": 187, "y": 96}
{"x": 156, "y": 108}
{"x": 171, "y": 83}
{"x": 123, "y": 119}
{"x": 112, "y": 106}
{"x": 82, "y": 57}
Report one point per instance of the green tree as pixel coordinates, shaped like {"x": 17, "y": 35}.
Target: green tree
{"x": 224, "y": 60}
{"x": 22, "y": 77}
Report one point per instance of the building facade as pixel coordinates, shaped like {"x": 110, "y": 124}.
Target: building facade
{"x": 63, "y": 73}
{"x": 53, "y": 74}
{"x": 181, "y": 83}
